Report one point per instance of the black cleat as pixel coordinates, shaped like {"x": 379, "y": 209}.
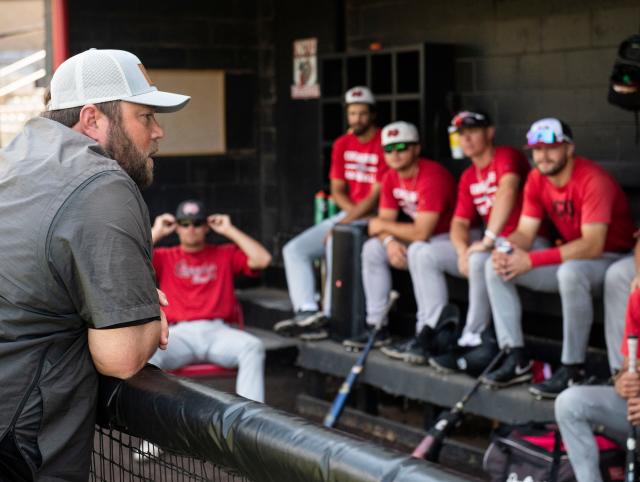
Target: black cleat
{"x": 302, "y": 321}
{"x": 357, "y": 343}
{"x": 452, "y": 361}
{"x": 315, "y": 334}
{"x": 563, "y": 378}
{"x": 413, "y": 350}
{"x": 515, "y": 368}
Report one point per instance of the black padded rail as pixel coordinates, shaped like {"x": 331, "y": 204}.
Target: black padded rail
{"x": 263, "y": 443}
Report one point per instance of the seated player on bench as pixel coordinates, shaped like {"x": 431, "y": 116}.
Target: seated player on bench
{"x": 590, "y": 212}
{"x": 425, "y": 192}
{"x": 197, "y": 278}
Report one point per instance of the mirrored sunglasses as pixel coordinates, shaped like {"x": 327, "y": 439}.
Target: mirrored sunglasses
{"x": 399, "y": 147}
{"x": 545, "y": 136}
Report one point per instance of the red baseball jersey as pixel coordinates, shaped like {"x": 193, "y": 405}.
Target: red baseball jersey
{"x": 361, "y": 165}
{"x": 477, "y": 187}
{"x": 632, "y": 320}
{"x": 432, "y": 189}
{"x": 590, "y": 196}
{"x": 199, "y": 286}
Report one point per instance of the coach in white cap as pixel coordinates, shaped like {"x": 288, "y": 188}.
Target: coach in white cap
{"x": 357, "y": 164}
{"x": 77, "y": 288}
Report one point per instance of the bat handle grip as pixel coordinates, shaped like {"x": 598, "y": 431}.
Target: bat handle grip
{"x": 632, "y": 348}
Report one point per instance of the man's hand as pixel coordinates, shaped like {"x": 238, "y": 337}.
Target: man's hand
{"x": 635, "y": 282}
{"x": 397, "y": 254}
{"x": 164, "y": 325}
{"x": 220, "y": 223}
{"x": 633, "y": 410}
{"x": 628, "y": 385}
{"x": 463, "y": 263}
{"x": 164, "y": 225}
{"x": 508, "y": 266}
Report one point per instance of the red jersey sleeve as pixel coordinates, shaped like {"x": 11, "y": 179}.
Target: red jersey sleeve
{"x": 436, "y": 191}
{"x": 632, "y": 320}
{"x": 464, "y": 206}
{"x": 598, "y": 200}
{"x": 337, "y": 159}
{"x": 239, "y": 262}
{"x": 387, "y": 201}
{"x": 509, "y": 160}
{"x": 532, "y": 205}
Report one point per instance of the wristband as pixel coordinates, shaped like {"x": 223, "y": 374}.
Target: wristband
{"x": 489, "y": 234}
{"x": 387, "y": 240}
{"x": 545, "y": 257}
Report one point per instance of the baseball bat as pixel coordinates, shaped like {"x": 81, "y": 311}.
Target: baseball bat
{"x": 429, "y": 447}
{"x": 630, "y": 463}
{"x": 345, "y": 389}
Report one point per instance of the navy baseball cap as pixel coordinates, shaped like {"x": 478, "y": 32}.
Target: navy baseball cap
{"x": 467, "y": 118}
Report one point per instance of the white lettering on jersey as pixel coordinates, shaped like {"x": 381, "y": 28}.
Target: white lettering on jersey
{"x": 407, "y": 200}
{"x": 360, "y": 166}
{"x": 361, "y": 157}
{"x": 484, "y": 192}
{"x": 198, "y": 274}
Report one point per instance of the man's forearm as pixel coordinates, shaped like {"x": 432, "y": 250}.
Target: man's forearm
{"x": 257, "y": 256}
{"x": 501, "y": 210}
{"x": 404, "y": 231}
{"x": 459, "y": 235}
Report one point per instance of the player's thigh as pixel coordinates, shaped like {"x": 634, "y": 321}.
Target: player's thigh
{"x": 227, "y": 345}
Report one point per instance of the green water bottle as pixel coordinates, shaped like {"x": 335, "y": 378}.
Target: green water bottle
{"x": 332, "y": 207}
{"x": 319, "y": 207}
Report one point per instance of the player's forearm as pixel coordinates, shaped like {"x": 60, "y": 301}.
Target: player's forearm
{"x": 459, "y": 235}
{"x": 257, "y": 255}
{"x": 156, "y": 236}
{"x": 582, "y": 248}
{"x": 503, "y": 205}
{"x": 521, "y": 240}
{"x": 406, "y": 231}
{"x": 362, "y": 209}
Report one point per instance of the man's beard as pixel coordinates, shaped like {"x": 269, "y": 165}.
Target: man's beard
{"x": 359, "y": 130}
{"x": 134, "y": 162}
{"x": 557, "y": 168}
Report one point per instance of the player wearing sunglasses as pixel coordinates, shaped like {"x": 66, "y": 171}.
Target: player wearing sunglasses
{"x": 591, "y": 214}
{"x": 424, "y": 192}
{"x": 197, "y": 278}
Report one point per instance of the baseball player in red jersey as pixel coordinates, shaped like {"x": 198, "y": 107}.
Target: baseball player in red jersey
{"x": 425, "y": 193}
{"x": 592, "y": 216}
{"x": 357, "y": 164}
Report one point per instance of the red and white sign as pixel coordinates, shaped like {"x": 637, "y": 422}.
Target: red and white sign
{"x": 305, "y": 69}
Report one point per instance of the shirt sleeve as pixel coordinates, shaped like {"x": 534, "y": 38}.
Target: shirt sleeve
{"x": 100, "y": 247}
{"x": 239, "y": 262}
{"x": 509, "y": 161}
{"x": 632, "y": 320}
{"x": 158, "y": 261}
{"x": 532, "y": 204}
{"x": 435, "y": 192}
{"x": 464, "y": 205}
{"x": 598, "y": 200}
{"x": 337, "y": 160}
{"x": 387, "y": 201}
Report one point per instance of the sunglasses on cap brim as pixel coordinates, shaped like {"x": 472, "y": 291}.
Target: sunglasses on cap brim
{"x": 545, "y": 137}
{"x": 185, "y": 223}
{"x": 469, "y": 119}
{"x": 398, "y": 147}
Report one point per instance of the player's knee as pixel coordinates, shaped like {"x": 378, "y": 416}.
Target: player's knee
{"x": 254, "y": 347}
{"x": 567, "y": 404}
{"x": 616, "y": 277}
{"x": 290, "y": 248}
{"x": 422, "y": 255}
{"x": 490, "y": 274}
{"x": 477, "y": 263}
{"x": 372, "y": 250}
{"x": 569, "y": 275}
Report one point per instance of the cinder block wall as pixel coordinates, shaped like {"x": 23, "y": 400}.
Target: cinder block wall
{"x": 521, "y": 60}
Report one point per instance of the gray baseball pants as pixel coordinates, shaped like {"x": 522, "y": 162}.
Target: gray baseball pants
{"x": 617, "y": 287}
{"x": 212, "y": 341}
{"x": 580, "y": 409}
{"x": 575, "y": 280}
{"x": 376, "y": 276}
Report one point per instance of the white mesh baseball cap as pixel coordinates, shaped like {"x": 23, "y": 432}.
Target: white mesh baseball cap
{"x": 400, "y": 131}
{"x": 359, "y": 95}
{"x": 95, "y": 76}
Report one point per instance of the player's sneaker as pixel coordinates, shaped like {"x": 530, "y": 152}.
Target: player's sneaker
{"x": 414, "y": 350}
{"x": 301, "y": 321}
{"x": 564, "y": 377}
{"x": 315, "y": 334}
{"x": 452, "y": 361}
{"x": 516, "y": 368}
{"x": 146, "y": 451}
{"x": 358, "y": 342}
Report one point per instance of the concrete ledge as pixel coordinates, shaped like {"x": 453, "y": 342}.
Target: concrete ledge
{"x": 510, "y": 405}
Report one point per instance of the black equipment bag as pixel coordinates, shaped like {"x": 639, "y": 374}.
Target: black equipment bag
{"x": 534, "y": 453}
{"x": 624, "y": 85}
{"x": 347, "y": 294}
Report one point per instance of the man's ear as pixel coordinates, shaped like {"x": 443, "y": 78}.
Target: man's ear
{"x": 491, "y": 133}
{"x": 93, "y": 123}
{"x": 571, "y": 149}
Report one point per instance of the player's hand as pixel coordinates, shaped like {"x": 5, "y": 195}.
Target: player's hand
{"x": 163, "y": 225}
{"x": 628, "y": 385}
{"x": 635, "y": 283}
{"x": 513, "y": 264}
{"x": 376, "y": 226}
{"x": 477, "y": 247}
{"x": 164, "y": 331}
{"x": 463, "y": 264}
{"x": 633, "y": 410}
{"x": 162, "y": 298}
{"x": 219, "y": 223}
{"x": 397, "y": 254}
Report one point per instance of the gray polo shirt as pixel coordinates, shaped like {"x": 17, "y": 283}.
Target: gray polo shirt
{"x": 75, "y": 253}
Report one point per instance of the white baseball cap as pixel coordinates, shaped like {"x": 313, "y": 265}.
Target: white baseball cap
{"x": 400, "y": 131}
{"x": 95, "y": 76}
{"x": 359, "y": 95}
{"x": 548, "y": 132}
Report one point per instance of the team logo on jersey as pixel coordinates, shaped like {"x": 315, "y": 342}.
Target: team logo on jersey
{"x": 563, "y": 208}
{"x": 407, "y": 200}
{"x": 197, "y": 274}
{"x": 484, "y": 192}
